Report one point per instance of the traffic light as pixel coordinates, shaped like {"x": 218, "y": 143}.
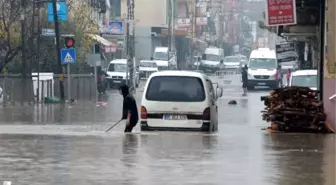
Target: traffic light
{"x": 69, "y": 42}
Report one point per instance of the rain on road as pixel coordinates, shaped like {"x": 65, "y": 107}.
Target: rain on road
{"x": 58, "y": 145}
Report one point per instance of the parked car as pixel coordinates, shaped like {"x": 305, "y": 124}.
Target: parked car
{"x": 304, "y": 78}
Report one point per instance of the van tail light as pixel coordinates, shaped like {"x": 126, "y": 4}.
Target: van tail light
{"x": 143, "y": 112}
{"x": 206, "y": 114}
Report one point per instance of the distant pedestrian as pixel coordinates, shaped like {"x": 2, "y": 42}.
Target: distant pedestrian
{"x": 279, "y": 76}
{"x": 130, "y": 110}
{"x": 221, "y": 65}
{"x": 288, "y": 75}
{"x": 244, "y": 80}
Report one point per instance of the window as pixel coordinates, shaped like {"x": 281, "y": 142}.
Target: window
{"x": 231, "y": 59}
{"x": 148, "y": 64}
{"x": 161, "y": 56}
{"x": 212, "y": 92}
{"x": 305, "y": 81}
{"x": 117, "y": 67}
{"x": 175, "y": 89}
{"x": 262, "y": 63}
{"x": 115, "y": 10}
{"x": 212, "y": 57}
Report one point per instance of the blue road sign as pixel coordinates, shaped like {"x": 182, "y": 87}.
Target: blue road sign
{"x": 68, "y": 56}
{"x": 62, "y": 11}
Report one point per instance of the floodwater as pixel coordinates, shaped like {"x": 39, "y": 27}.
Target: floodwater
{"x": 54, "y": 144}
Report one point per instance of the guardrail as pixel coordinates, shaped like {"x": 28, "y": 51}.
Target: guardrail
{"x": 16, "y": 89}
{"x": 224, "y": 73}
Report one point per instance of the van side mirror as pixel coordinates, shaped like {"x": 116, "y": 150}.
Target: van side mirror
{"x": 219, "y": 92}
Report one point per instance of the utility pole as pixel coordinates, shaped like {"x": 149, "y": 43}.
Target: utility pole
{"x": 193, "y": 9}
{"x": 130, "y": 44}
{"x": 221, "y": 27}
{"x": 58, "y": 49}
{"x": 172, "y": 3}
{"x": 23, "y": 47}
{"x": 170, "y": 15}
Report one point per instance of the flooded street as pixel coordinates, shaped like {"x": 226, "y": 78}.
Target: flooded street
{"x": 54, "y": 144}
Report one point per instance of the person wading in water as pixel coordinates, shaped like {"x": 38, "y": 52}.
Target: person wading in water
{"x": 244, "y": 79}
{"x": 130, "y": 110}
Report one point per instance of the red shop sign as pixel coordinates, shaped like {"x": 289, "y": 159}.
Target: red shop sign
{"x": 280, "y": 12}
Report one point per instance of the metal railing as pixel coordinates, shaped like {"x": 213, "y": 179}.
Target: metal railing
{"x": 14, "y": 89}
{"x": 223, "y": 73}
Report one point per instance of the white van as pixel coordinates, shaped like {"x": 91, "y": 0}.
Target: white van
{"x": 117, "y": 70}
{"x": 262, "y": 69}
{"x": 178, "y": 101}
{"x": 304, "y": 78}
{"x": 161, "y": 55}
{"x": 211, "y": 59}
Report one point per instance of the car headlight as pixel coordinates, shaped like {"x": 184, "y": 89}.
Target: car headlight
{"x": 273, "y": 77}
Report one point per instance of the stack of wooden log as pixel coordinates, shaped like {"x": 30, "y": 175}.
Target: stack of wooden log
{"x": 294, "y": 109}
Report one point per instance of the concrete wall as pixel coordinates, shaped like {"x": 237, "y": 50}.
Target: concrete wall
{"x": 148, "y": 12}
{"x": 329, "y": 83}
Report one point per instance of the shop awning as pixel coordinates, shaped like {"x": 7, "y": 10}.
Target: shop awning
{"x": 107, "y": 45}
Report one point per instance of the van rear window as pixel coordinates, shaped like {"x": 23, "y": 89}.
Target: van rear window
{"x": 175, "y": 89}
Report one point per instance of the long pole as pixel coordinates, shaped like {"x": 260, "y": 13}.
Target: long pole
{"x": 322, "y": 47}
{"x": 173, "y": 25}
{"x": 38, "y": 54}
{"x": 23, "y": 48}
{"x": 58, "y": 48}
{"x": 169, "y": 29}
{"x": 69, "y": 83}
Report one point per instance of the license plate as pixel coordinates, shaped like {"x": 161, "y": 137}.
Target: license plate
{"x": 174, "y": 117}
{"x": 261, "y": 83}
{"x": 116, "y": 81}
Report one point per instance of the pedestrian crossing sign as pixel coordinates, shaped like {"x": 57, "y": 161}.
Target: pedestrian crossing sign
{"x": 68, "y": 56}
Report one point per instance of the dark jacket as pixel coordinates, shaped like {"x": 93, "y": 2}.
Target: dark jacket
{"x": 129, "y": 105}
{"x": 244, "y": 76}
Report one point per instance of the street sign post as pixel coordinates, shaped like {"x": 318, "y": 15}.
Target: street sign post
{"x": 68, "y": 56}
{"x": 48, "y": 32}
{"x": 62, "y": 11}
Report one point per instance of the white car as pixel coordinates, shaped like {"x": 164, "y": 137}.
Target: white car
{"x": 304, "y": 78}
{"x": 179, "y": 101}
{"x": 117, "y": 72}
{"x": 147, "y": 67}
{"x": 232, "y": 62}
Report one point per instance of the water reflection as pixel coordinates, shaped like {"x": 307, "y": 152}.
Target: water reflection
{"x": 299, "y": 158}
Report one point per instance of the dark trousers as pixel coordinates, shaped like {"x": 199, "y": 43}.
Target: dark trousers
{"x": 129, "y": 128}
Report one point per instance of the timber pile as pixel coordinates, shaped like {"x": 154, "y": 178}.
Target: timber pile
{"x": 294, "y": 109}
